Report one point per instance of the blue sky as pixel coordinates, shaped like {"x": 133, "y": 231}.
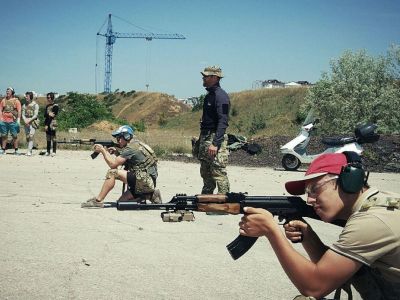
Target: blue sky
{"x": 50, "y": 45}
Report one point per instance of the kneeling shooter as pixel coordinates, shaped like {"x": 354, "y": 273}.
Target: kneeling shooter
{"x": 139, "y": 173}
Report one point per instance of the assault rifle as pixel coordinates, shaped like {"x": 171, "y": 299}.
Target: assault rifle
{"x": 105, "y": 143}
{"x": 181, "y": 208}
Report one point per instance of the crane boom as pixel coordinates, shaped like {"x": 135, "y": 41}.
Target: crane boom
{"x": 111, "y": 37}
{"x": 147, "y": 36}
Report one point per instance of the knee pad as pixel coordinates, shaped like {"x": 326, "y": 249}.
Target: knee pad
{"x": 112, "y": 173}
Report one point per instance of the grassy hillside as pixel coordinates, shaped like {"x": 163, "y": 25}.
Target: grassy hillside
{"x": 264, "y": 112}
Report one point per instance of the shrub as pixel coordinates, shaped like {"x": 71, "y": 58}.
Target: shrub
{"x": 198, "y": 103}
{"x": 234, "y": 111}
{"x": 139, "y": 126}
{"x": 81, "y": 110}
{"x": 359, "y": 89}
{"x": 257, "y": 123}
{"x": 159, "y": 151}
{"x": 162, "y": 120}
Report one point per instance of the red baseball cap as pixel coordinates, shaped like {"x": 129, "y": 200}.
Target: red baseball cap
{"x": 331, "y": 163}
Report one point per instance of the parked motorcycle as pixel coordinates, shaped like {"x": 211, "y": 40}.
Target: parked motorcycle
{"x": 295, "y": 151}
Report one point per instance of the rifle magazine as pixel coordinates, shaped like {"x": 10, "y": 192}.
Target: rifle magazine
{"x": 240, "y": 246}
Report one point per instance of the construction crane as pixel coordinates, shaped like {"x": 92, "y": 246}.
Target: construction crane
{"x": 111, "y": 37}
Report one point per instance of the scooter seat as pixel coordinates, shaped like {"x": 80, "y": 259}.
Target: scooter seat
{"x": 338, "y": 141}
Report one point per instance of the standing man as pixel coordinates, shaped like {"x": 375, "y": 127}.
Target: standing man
{"x": 140, "y": 172}
{"x": 213, "y": 152}
{"x": 367, "y": 252}
{"x": 10, "y": 108}
{"x": 50, "y": 124}
{"x": 30, "y": 112}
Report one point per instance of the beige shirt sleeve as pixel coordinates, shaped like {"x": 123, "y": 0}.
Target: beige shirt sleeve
{"x": 366, "y": 238}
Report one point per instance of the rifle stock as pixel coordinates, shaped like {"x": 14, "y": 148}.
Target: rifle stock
{"x": 286, "y": 208}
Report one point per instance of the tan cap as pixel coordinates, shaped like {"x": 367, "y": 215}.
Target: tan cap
{"x": 212, "y": 70}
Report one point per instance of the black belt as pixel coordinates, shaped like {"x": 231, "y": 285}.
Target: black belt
{"x": 207, "y": 131}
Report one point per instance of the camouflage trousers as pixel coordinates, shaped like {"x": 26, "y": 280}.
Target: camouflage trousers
{"x": 213, "y": 170}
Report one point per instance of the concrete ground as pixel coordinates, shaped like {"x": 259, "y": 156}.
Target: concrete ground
{"x": 50, "y": 248}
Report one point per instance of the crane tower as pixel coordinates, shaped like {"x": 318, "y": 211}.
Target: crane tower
{"x": 111, "y": 37}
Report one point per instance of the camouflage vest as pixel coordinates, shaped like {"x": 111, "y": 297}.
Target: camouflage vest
{"x": 29, "y": 110}
{"x": 50, "y": 108}
{"x": 149, "y": 160}
{"x": 10, "y": 106}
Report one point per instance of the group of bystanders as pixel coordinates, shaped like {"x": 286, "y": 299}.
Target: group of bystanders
{"x": 11, "y": 111}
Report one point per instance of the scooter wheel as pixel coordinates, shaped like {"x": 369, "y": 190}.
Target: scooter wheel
{"x": 290, "y": 162}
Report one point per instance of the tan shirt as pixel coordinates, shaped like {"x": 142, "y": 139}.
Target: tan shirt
{"x": 372, "y": 234}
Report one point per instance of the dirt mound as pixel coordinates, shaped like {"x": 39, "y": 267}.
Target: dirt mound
{"x": 104, "y": 126}
{"x": 153, "y": 108}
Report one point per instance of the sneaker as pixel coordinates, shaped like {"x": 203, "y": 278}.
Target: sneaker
{"x": 1, "y": 151}
{"x": 53, "y": 154}
{"x": 16, "y": 152}
{"x": 92, "y": 203}
{"x": 156, "y": 198}
{"x": 29, "y": 153}
{"x": 47, "y": 154}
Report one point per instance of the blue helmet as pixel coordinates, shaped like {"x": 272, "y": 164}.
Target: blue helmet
{"x": 125, "y": 131}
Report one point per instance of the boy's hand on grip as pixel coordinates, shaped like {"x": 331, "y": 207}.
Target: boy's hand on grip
{"x": 295, "y": 230}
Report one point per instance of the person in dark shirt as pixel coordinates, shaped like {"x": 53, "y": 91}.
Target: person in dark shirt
{"x": 213, "y": 152}
{"x": 50, "y": 124}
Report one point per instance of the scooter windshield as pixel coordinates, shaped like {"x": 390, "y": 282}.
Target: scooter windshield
{"x": 311, "y": 118}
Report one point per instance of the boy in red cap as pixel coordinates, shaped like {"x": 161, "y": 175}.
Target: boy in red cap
{"x": 367, "y": 253}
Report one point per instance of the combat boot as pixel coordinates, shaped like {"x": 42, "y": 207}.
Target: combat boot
{"x": 156, "y": 197}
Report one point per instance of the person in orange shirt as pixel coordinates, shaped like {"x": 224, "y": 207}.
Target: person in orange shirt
{"x": 10, "y": 108}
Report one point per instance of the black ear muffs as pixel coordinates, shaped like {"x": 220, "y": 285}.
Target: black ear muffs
{"x": 352, "y": 178}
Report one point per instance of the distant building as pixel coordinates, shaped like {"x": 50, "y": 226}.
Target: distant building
{"x": 272, "y": 83}
{"x": 189, "y": 101}
{"x": 303, "y": 82}
{"x": 275, "y": 83}
{"x": 292, "y": 84}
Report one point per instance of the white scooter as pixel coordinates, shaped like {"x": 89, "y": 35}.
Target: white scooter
{"x": 295, "y": 151}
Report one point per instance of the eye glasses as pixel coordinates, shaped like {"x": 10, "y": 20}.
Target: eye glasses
{"x": 313, "y": 190}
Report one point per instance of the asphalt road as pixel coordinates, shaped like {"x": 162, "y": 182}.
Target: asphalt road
{"x": 50, "y": 248}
